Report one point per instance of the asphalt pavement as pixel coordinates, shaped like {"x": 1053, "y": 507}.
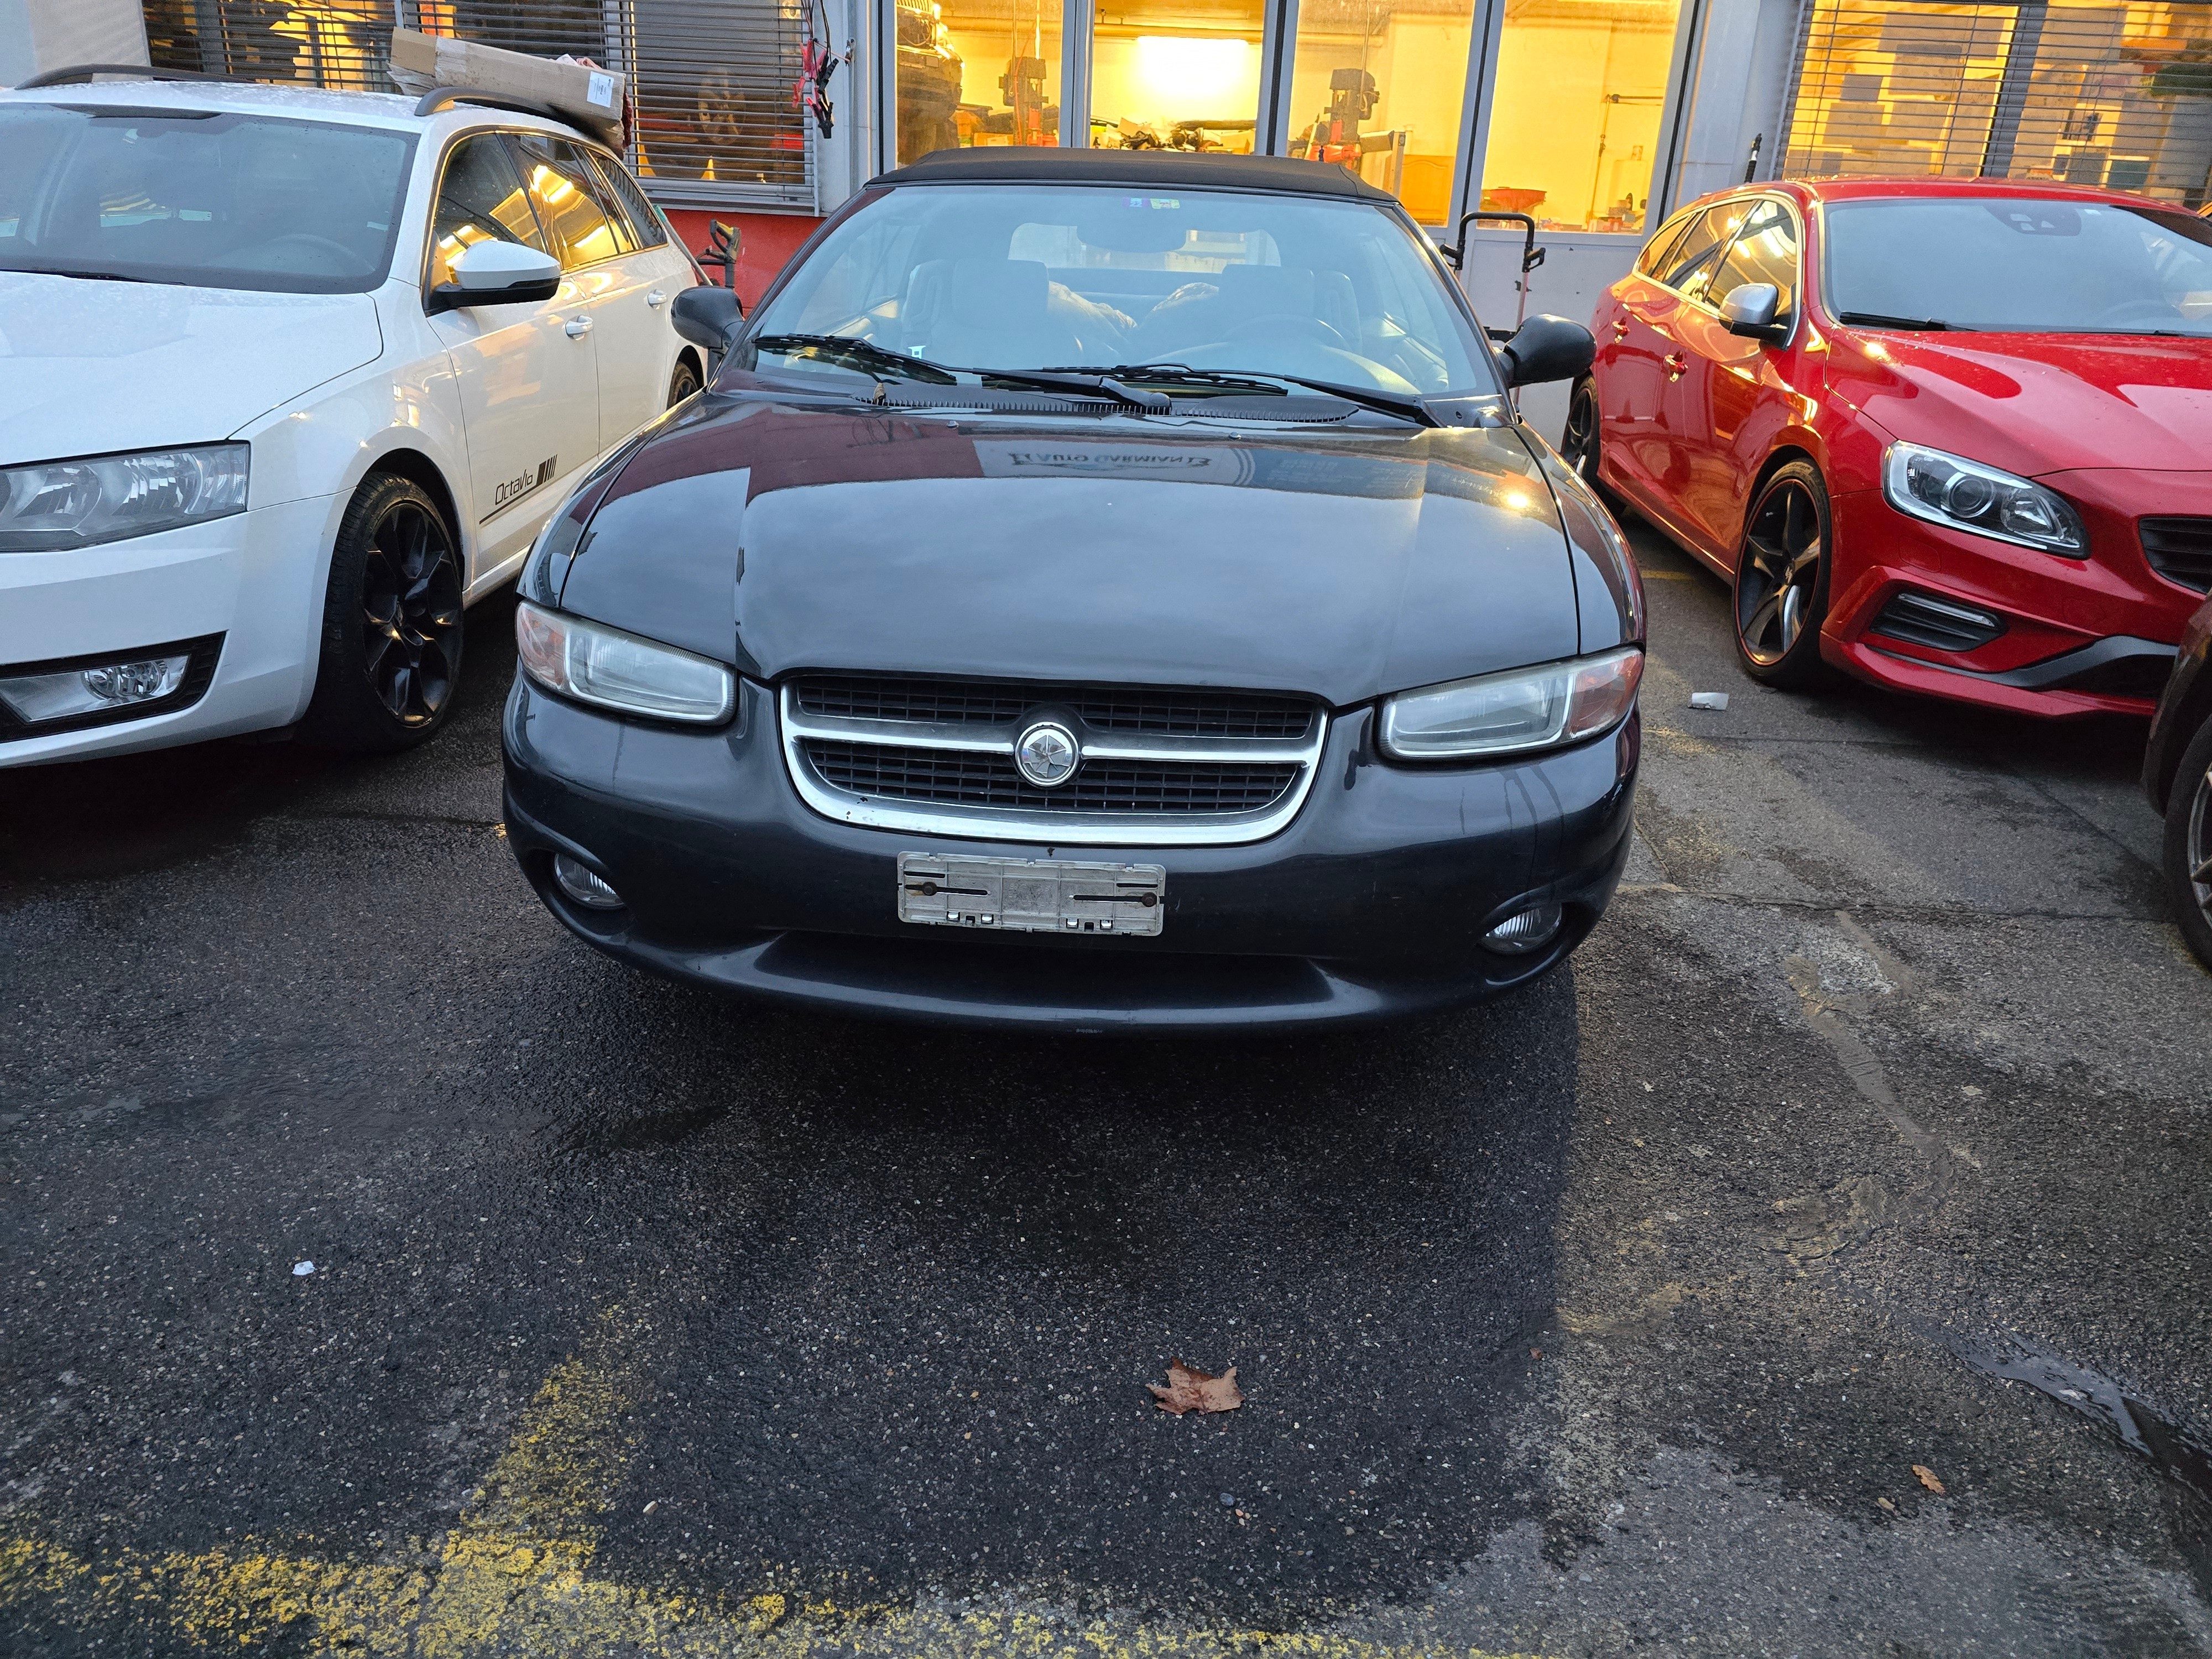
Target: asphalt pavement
{"x": 1871, "y": 1130}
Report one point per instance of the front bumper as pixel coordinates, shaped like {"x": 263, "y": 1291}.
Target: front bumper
{"x": 2079, "y": 636}
{"x": 1371, "y": 903}
{"x": 256, "y": 579}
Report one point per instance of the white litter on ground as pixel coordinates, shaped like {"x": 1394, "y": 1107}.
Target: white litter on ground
{"x": 301, "y": 1269}
{"x": 1716, "y": 701}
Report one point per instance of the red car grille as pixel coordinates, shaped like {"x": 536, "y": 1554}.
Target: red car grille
{"x": 2179, "y": 549}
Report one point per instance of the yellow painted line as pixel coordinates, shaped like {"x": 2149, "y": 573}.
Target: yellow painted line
{"x": 1669, "y": 575}
{"x": 514, "y": 1578}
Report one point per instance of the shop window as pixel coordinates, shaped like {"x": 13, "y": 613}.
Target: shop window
{"x": 331, "y": 43}
{"x": 2115, "y": 96}
{"x": 1380, "y": 87}
{"x": 1574, "y": 125}
{"x": 710, "y": 80}
{"x": 1177, "y": 75}
{"x": 1893, "y": 89}
{"x": 977, "y": 72}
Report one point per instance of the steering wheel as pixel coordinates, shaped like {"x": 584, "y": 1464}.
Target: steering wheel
{"x": 349, "y": 263}
{"x": 1284, "y": 322}
{"x": 2137, "y": 311}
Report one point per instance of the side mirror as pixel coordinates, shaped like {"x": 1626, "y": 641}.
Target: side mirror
{"x": 708, "y": 317}
{"x": 1547, "y": 348}
{"x": 497, "y": 273}
{"x": 1750, "y": 310}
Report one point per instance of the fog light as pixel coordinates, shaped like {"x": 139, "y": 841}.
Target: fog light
{"x": 584, "y": 884}
{"x": 1531, "y": 930}
{"x": 36, "y": 698}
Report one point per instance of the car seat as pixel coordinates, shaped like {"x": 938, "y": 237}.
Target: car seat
{"x": 1204, "y": 311}
{"x": 984, "y": 314}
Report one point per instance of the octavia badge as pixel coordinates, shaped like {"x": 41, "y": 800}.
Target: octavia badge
{"x": 1047, "y": 754}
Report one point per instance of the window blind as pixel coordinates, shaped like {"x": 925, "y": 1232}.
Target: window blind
{"x": 717, "y": 120}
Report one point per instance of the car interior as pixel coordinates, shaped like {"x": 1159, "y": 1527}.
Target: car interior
{"x": 1333, "y": 291}
{"x": 217, "y": 199}
{"x": 2016, "y": 263}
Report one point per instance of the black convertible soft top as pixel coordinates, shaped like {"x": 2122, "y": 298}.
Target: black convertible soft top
{"x": 1142, "y": 169}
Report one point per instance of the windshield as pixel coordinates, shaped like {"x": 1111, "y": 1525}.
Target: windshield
{"x": 2011, "y": 263}
{"x": 212, "y": 200}
{"x": 1007, "y": 277}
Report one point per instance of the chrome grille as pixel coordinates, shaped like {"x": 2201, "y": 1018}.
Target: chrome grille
{"x": 965, "y": 778}
{"x": 1196, "y": 714}
{"x": 1160, "y": 766}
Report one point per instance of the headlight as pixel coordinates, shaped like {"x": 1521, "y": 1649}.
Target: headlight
{"x": 104, "y": 498}
{"x": 1513, "y": 712}
{"x": 1963, "y": 495}
{"x": 618, "y": 671}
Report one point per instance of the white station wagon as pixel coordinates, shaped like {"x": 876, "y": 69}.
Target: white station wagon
{"x": 287, "y": 377}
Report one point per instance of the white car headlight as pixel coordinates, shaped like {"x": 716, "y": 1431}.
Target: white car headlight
{"x": 1963, "y": 495}
{"x": 104, "y": 498}
{"x": 1516, "y": 712}
{"x": 596, "y": 663}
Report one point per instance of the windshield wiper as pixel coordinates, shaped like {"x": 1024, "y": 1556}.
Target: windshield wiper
{"x": 1258, "y": 380}
{"x": 1167, "y": 374}
{"x": 1880, "y": 319}
{"x": 861, "y": 354}
{"x": 867, "y": 357}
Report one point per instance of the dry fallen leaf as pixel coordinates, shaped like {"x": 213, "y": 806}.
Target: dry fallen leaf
{"x": 1190, "y": 1390}
{"x": 1887, "y": 1505}
{"x": 1928, "y": 1478}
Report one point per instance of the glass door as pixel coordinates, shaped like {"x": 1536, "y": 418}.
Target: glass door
{"x": 1579, "y": 90}
{"x": 1176, "y": 74}
{"x": 1379, "y": 87}
{"x": 977, "y": 72}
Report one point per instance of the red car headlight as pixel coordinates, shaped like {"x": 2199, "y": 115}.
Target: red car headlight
{"x": 1963, "y": 495}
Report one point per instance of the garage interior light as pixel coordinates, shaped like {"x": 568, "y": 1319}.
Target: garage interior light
{"x": 1196, "y": 76}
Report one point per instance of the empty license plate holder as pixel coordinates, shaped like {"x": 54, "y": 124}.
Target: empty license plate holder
{"x": 1031, "y": 895}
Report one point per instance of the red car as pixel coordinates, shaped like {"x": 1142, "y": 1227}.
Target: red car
{"x": 1952, "y": 437}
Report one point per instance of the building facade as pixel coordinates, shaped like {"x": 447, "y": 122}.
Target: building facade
{"x": 1595, "y": 116}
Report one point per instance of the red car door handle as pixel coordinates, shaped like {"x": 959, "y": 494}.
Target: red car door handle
{"x": 1676, "y": 363}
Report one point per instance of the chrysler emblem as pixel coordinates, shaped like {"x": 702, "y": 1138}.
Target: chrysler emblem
{"x": 1047, "y": 754}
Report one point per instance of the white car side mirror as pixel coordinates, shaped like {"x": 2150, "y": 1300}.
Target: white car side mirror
{"x": 497, "y": 273}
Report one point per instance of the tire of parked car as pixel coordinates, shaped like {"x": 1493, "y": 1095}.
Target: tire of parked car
{"x": 390, "y": 652}
{"x": 684, "y": 383}
{"x": 2188, "y": 844}
{"x": 1781, "y": 589}
{"x": 1578, "y": 444}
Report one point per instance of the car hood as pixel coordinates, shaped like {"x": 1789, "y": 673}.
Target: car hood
{"x": 2035, "y": 404}
{"x": 90, "y": 367}
{"x": 1340, "y": 565}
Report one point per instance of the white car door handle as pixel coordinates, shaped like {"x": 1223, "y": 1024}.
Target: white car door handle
{"x": 577, "y": 327}
{"x": 656, "y": 299}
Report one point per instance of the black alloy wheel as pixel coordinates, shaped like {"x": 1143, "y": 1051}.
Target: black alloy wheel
{"x": 1578, "y": 446}
{"x": 684, "y": 383}
{"x": 2188, "y": 844}
{"x": 391, "y": 622}
{"x": 1782, "y": 578}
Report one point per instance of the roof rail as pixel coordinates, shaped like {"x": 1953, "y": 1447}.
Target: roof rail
{"x": 78, "y": 72}
{"x": 439, "y": 98}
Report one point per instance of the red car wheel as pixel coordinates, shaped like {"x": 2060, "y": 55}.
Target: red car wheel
{"x": 1782, "y": 578}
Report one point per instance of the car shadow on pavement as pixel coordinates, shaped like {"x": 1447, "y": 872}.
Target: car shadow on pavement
{"x": 127, "y": 814}
{"x": 911, "y": 1284}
